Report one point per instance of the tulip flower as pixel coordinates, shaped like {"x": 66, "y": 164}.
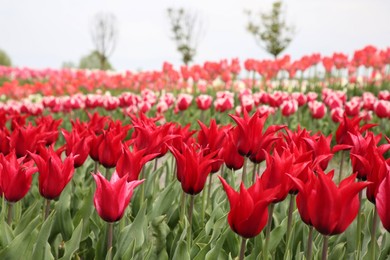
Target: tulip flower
{"x": 203, "y": 102}
{"x": 77, "y": 144}
{"x": 54, "y": 174}
{"x": 15, "y": 177}
{"x": 248, "y": 213}
{"x": 383, "y": 201}
{"x": 330, "y": 209}
{"x": 112, "y": 197}
{"x": 317, "y": 109}
{"x": 248, "y": 208}
{"x": 193, "y": 167}
{"x": 230, "y": 155}
{"x": 183, "y": 101}
{"x": 110, "y": 148}
{"x": 130, "y": 163}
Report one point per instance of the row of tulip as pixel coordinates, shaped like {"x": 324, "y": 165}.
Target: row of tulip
{"x": 296, "y": 162}
{"x": 334, "y": 102}
{"x": 368, "y": 66}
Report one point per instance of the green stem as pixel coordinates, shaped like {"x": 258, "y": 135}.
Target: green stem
{"x": 107, "y": 173}
{"x": 373, "y": 234}
{"x": 47, "y": 209}
{"x": 358, "y": 228}
{"x": 243, "y": 177}
{"x": 142, "y": 176}
{"x": 209, "y": 190}
{"x": 341, "y": 166}
{"x": 325, "y": 248}
{"x": 203, "y": 205}
{"x": 96, "y": 167}
{"x": 254, "y": 172}
{"x": 155, "y": 164}
{"x": 190, "y": 214}
{"x": 310, "y": 243}
{"x": 289, "y": 218}
{"x": 110, "y": 227}
{"x": 243, "y": 247}
{"x": 183, "y": 205}
{"x": 9, "y": 217}
{"x": 268, "y": 230}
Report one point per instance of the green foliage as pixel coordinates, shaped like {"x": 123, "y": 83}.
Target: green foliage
{"x": 5, "y": 60}
{"x": 186, "y": 28}
{"x": 93, "y": 61}
{"x": 270, "y": 30}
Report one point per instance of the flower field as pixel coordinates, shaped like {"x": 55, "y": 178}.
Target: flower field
{"x": 261, "y": 159}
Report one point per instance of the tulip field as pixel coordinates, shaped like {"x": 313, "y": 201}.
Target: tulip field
{"x": 260, "y": 159}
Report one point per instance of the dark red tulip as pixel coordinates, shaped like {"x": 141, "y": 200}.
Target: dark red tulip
{"x": 328, "y": 208}
{"x": 250, "y": 135}
{"x": 130, "y": 163}
{"x": 383, "y": 201}
{"x": 77, "y": 144}
{"x": 193, "y": 167}
{"x": 350, "y": 126}
{"x": 248, "y": 213}
{"x": 112, "y": 197}
{"x": 230, "y": 155}
{"x": 110, "y": 149}
{"x": 212, "y": 137}
{"x": 15, "y": 177}
{"x": 54, "y": 174}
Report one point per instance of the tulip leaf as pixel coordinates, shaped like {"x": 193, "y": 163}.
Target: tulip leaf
{"x": 84, "y": 213}
{"x": 337, "y": 251}
{"x": 28, "y": 215}
{"x": 277, "y": 235}
{"x": 164, "y": 201}
{"x": 22, "y": 245}
{"x": 63, "y": 221}
{"x": 42, "y": 247}
{"x": 72, "y": 245}
{"x": 6, "y": 234}
{"x": 135, "y": 231}
{"x": 181, "y": 252}
{"x": 202, "y": 252}
{"x": 217, "y": 248}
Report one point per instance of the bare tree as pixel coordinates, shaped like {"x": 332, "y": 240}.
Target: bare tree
{"x": 187, "y": 28}
{"x": 104, "y": 34}
{"x": 270, "y": 30}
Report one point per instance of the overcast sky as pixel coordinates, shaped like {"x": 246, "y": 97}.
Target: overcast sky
{"x": 45, "y": 33}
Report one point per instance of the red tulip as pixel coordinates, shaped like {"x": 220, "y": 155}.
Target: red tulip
{"x": 130, "y": 163}
{"x": 230, "y": 155}
{"x": 183, "y": 101}
{"x": 193, "y": 167}
{"x": 249, "y": 133}
{"x": 54, "y": 174}
{"x": 248, "y": 213}
{"x": 350, "y": 126}
{"x": 382, "y": 108}
{"x": 289, "y": 107}
{"x": 328, "y": 208}
{"x": 203, "y": 101}
{"x": 15, "y": 177}
{"x": 112, "y": 197}
{"x": 110, "y": 148}
{"x": 77, "y": 144}
{"x": 317, "y": 109}
{"x": 383, "y": 201}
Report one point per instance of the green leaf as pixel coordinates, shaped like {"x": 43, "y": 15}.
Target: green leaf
{"x": 63, "y": 221}
{"x": 164, "y": 201}
{"x": 72, "y": 245}
{"x": 42, "y": 247}
{"x": 217, "y": 248}
{"x": 6, "y": 234}
{"x": 277, "y": 235}
{"x": 21, "y": 247}
{"x": 135, "y": 231}
{"x": 32, "y": 212}
{"x": 181, "y": 252}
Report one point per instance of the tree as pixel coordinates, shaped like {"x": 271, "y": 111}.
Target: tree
{"x": 270, "y": 30}
{"x": 5, "y": 60}
{"x": 93, "y": 61}
{"x": 187, "y": 28}
{"x": 104, "y": 36}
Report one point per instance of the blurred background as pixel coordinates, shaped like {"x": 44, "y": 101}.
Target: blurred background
{"x": 43, "y": 33}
